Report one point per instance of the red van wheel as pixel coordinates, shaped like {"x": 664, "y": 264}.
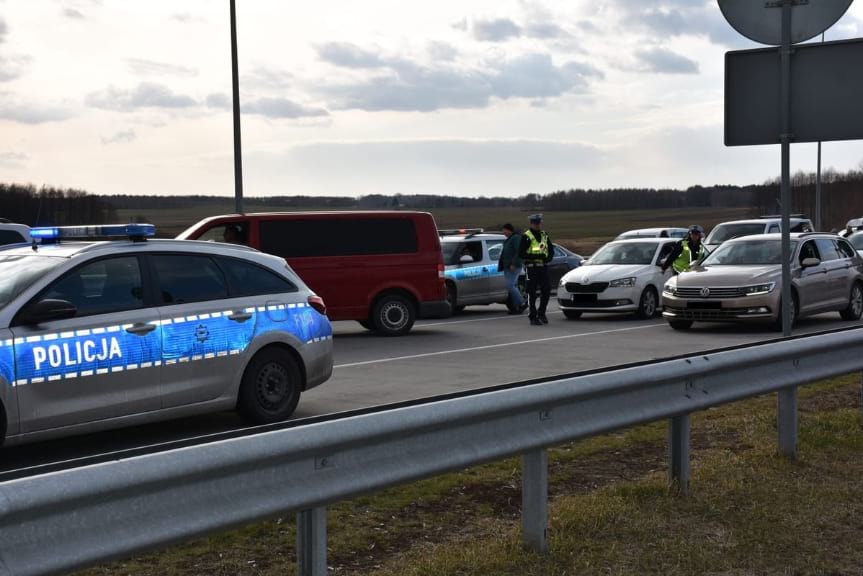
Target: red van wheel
{"x": 393, "y": 315}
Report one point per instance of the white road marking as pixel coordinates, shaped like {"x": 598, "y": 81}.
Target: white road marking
{"x": 492, "y": 346}
{"x": 521, "y": 317}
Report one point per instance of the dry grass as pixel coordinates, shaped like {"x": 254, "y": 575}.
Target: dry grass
{"x": 750, "y": 512}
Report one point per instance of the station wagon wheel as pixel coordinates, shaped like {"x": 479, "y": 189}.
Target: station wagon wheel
{"x": 271, "y": 387}
{"x": 393, "y": 315}
{"x": 647, "y": 304}
{"x": 855, "y": 303}
{"x": 680, "y": 324}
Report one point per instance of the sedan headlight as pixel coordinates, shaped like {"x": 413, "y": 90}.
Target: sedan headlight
{"x": 759, "y": 289}
{"x": 668, "y": 290}
{"x": 622, "y": 283}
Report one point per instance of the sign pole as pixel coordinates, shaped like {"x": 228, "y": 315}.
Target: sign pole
{"x": 787, "y": 401}
{"x": 238, "y": 158}
{"x": 818, "y": 209}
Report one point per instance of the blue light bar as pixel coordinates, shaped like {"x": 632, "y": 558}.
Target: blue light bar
{"x": 101, "y": 231}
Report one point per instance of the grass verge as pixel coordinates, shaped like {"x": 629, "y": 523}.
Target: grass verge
{"x": 750, "y": 512}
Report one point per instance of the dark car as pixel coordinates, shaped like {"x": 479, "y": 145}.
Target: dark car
{"x": 564, "y": 261}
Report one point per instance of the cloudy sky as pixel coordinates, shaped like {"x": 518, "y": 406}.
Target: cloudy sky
{"x": 339, "y": 97}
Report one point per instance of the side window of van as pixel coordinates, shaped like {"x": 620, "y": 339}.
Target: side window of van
{"x": 296, "y": 238}
{"x": 227, "y": 233}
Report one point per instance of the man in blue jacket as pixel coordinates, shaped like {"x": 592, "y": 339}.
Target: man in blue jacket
{"x": 510, "y": 264}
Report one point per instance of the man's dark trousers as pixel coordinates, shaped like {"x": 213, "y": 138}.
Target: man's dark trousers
{"x": 537, "y": 276}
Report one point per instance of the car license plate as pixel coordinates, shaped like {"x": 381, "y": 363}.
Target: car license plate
{"x": 584, "y": 298}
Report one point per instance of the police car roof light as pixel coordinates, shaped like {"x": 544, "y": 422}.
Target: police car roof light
{"x": 461, "y": 231}
{"x": 133, "y": 231}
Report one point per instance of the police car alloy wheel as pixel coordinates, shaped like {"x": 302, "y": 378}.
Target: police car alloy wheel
{"x": 271, "y": 387}
{"x": 393, "y": 315}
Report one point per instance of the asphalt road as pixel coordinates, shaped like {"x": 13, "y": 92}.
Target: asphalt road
{"x": 481, "y": 347}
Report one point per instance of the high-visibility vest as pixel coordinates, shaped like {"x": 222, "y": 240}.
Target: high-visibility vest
{"x": 687, "y": 257}
{"x": 538, "y": 248}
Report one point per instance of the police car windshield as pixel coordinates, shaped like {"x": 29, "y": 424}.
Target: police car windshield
{"x": 749, "y": 253}
{"x": 18, "y": 272}
{"x": 624, "y": 253}
{"x": 725, "y": 232}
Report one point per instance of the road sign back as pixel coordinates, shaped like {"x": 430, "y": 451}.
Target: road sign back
{"x": 761, "y": 20}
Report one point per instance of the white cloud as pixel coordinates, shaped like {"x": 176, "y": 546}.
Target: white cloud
{"x": 495, "y": 30}
{"x": 145, "y": 95}
{"x": 73, "y": 14}
{"x": 280, "y": 108}
{"x": 13, "y": 67}
{"x": 4, "y": 30}
{"x": 124, "y": 136}
{"x": 12, "y": 159}
{"x": 31, "y": 113}
{"x": 144, "y": 67}
{"x": 664, "y": 61}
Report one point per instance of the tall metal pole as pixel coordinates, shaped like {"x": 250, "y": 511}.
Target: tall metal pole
{"x": 785, "y": 140}
{"x": 818, "y": 209}
{"x": 238, "y": 148}
{"x": 787, "y": 401}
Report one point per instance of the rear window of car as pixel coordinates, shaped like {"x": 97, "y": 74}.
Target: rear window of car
{"x": 297, "y": 238}
{"x": 10, "y": 237}
{"x": 247, "y": 279}
{"x": 187, "y": 278}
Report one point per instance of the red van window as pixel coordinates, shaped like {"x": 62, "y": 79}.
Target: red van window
{"x": 296, "y": 238}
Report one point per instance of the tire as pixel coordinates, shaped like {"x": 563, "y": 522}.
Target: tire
{"x": 2, "y": 424}
{"x": 452, "y": 298}
{"x": 366, "y": 324}
{"x": 522, "y": 287}
{"x": 855, "y": 303}
{"x": 271, "y": 387}
{"x": 648, "y": 303}
{"x": 572, "y": 314}
{"x": 393, "y": 315}
{"x": 680, "y": 324}
{"x": 795, "y": 309}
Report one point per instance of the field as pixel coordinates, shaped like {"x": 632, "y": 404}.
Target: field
{"x": 611, "y": 512}
{"x": 582, "y": 232}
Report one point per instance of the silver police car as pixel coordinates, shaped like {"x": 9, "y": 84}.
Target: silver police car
{"x": 470, "y": 258}
{"x": 102, "y": 334}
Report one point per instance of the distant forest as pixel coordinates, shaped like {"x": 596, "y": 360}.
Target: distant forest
{"x": 842, "y": 199}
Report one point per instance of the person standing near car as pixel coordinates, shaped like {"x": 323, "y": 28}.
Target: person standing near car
{"x": 510, "y": 263}
{"x": 686, "y": 252}
{"x": 536, "y": 252}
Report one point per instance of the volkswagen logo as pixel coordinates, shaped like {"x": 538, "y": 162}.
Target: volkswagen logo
{"x": 705, "y": 292}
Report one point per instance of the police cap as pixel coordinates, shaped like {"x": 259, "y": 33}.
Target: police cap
{"x": 535, "y": 218}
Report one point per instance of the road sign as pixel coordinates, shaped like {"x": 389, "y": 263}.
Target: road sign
{"x": 761, "y": 20}
{"x": 826, "y": 84}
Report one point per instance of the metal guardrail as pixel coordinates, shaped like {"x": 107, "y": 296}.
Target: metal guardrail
{"x": 69, "y": 519}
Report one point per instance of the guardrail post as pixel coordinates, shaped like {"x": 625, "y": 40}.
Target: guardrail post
{"x": 534, "y": 499}
{"x": 312, "y": 542}
{"x": 678, "y": 453}
{"x": 787, "y": 422}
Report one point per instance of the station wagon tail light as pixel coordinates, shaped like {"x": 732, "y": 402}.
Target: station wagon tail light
{"x": 317, "y": 303}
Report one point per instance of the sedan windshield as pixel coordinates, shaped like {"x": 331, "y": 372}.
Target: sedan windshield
{"x": 725, "y": 232}
{"x": 624, "y": 253}
{"x": 749, "y": 253}
{"x": 18, "y": 272}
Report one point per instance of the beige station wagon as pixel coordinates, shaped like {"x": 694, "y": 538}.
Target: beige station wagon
{"x": 741, "y": 281}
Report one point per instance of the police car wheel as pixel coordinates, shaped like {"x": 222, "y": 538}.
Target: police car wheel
{"x": 271, "y": 387}
{"x": 451, "y": 297}
{"x": 393, "y": 315}
{"x": 2, "y": 424}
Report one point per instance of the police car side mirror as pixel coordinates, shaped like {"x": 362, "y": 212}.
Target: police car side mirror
{"x": 465, "y": 259}
{"x": 48, "y": 310}
{"x": 810, "y": 262}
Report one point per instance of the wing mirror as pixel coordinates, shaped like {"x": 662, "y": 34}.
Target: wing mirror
{"x": 48, "y": 310}
{"x": 810, "y": 262}
{"x": 465, "y": 259}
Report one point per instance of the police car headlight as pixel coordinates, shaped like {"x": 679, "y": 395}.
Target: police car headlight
{"x": 759, "y": 289}
{"x": 622, "y": 283}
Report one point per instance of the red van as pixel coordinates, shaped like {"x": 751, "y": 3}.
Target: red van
{"x": 383, "y": 269}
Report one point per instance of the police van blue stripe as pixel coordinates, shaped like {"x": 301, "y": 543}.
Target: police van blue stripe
{"x": 110, "y": 349}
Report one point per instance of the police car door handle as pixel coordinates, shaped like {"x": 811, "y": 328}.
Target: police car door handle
{"x": 240, "y": 316}
{"x": 140, "y": 329}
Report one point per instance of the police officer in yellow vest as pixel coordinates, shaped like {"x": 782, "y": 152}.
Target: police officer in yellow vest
{"x": 686, "y": 252}
{"x": 536, "y": 252}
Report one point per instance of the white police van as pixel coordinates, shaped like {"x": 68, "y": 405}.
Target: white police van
{"x": 101, "y": 334}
